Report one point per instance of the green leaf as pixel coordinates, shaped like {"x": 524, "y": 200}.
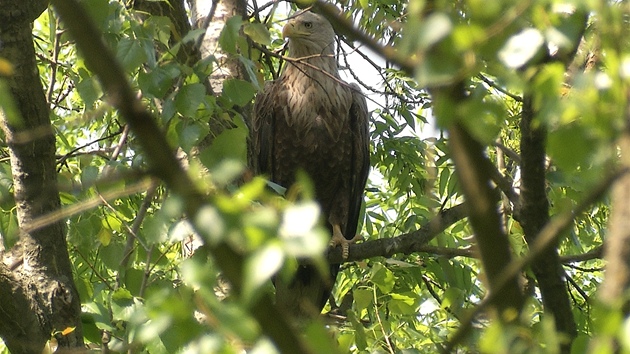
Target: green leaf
{"x": 359, "y": 331}
{"x": 437, "y": 69}
{"x": 231, "y": 144}
{"x": 229, "y": 35}
{"x": 90, "y": 331}
{"x": 89, "y": 176}
{"x": 89, "y": 89}
{"x": 193, "y": 35}
{"x": 112, "y": 254}
{"x": 568, "y": 33}
{"x": 161, "y": 28}
{"x": 433, "y": 28}
{"x": 258, "y": 32}
{"x": 98, "y": 11}
{"x": 130, "y": 53}
{"x": 189, "y": 133}
{"x": 239, "y": 92}
{"x": 189, "y": 98}
{"x": 7, "y": 105}
{"x": 299, "y": 231}
{"x": 156, "y": 82}
{"x": 362, "y": 298}
{"x": 404, "y": 303}
{"x": 383, "y": 278}
{"x": 319, "y": 338}
{"x": 569, "y": 147}
{"x": 210, "y": 224}
{"x": 10, "y": 229}
{"x": 133, "y": 280}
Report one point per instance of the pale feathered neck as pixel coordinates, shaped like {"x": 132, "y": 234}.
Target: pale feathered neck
{"x": 316, "y": 54}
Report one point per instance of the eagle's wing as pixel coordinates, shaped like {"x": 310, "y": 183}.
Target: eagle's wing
{"x": 262, "y": 130}
{"x": 361, "y": 157}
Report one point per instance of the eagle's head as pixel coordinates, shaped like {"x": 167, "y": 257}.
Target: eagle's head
{"x": 309, "y": 34}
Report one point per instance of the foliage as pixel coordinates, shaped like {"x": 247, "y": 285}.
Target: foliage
{"x": 130, "y": 241}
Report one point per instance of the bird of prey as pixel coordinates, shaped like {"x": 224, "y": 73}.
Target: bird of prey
{"x": 309, "y": 119}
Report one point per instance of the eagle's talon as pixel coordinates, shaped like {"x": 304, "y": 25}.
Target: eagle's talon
{"x": 339, "y": 240}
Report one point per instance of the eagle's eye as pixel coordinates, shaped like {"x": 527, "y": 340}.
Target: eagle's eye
{"x": 308, "y": 25}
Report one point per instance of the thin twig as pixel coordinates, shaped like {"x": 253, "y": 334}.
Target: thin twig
{"x": 62, "y": 159}
{"x": 54, "y": 64}
{"x": 509, "y": 152}
{"x": 499, "y": 88}
{"x": 135, "y": 227}
{"x": 577, "y": 288}
{"x": 80, "y": 207}
{"x": 94, "y": 270}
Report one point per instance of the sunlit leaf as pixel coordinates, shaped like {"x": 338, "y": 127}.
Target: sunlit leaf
{"x": 229, "y": 145}
{"x": 521, "y": 48}
{"x": 104, "y": 236}
{"x": 260, "y": 267}
{"x": 433, "y": 28}
{"x": 6, "y": 68}
{"x": 363, "y": 298}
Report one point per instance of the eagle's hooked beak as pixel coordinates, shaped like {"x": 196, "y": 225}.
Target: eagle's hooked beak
{"x": 288, "y": 30}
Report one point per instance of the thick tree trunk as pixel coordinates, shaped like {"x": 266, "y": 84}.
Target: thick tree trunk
{"x": 213, "y": 15}
{"x": 473, "y": 172}
{"x": 534, "y": 214}
{"x": 615, "y": 287}
{"x": 38, "y": 298}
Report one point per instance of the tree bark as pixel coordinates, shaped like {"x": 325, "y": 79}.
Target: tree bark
{"x": 473, "y": 172}
{"x": 38, "y": 298}
{"x": 615, "y": 287}
{"x": 212, "y": 16}
{"x": 534, "y": 214}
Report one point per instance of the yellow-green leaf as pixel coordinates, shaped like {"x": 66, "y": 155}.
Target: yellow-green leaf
{"x": 258, "y": 33}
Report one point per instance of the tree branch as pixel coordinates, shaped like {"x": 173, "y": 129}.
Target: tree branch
{"x": 593, "y": 254}
{"x": 404, "y": 244}
{"x": 534, "y": 214}
{"x": 546, "y": 238}
{"x": 474, "y": 175}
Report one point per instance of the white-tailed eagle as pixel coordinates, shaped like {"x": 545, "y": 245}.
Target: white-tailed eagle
{"x": 311, "y": 120}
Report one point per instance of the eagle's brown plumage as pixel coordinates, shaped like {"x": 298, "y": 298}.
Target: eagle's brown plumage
{"x": 310, "y": 119}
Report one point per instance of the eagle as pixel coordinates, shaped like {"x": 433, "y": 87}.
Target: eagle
{"x": 309, "y": 119}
